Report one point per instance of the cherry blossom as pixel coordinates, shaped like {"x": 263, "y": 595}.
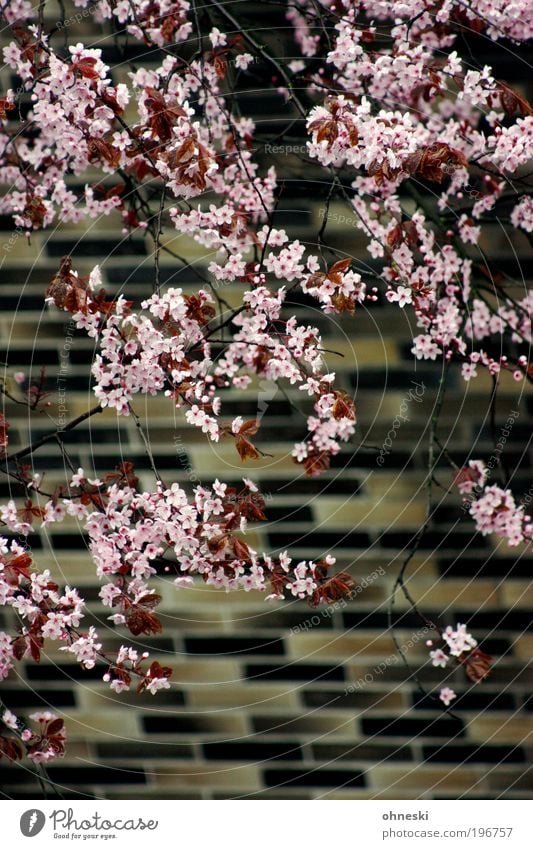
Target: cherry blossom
{"x": 384, "y": 121}
{"x": 447, "y": 695}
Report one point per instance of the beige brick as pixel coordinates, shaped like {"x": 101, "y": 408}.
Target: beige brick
{"x": 239, "y": 778}
{"x": 317, "y": 724}
{"x": 254, "y": 696}
{"x": 366, "y": 513}
{"x": 502, "y": 729}
{"x": 425, "y": 779}
{"x": 517, "y": 594}
{"x": 216, "y": 671}
{"x": 327, "y": 644}
{"x": 453, "y": 593}
{"x": 102, "y": 727}
{"x": 523, "y": 648}
{"x": 519, "y": 778}
{"x": 399, "y": 486}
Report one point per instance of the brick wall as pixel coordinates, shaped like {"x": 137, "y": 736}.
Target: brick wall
{"x": 265, "y": 701}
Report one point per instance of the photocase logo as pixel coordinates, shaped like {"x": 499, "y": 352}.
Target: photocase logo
{"x": 32, "y": 822}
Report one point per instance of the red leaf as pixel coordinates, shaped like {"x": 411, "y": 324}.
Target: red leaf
{"x": 158, "y": 671}
{"x": 86, "y": 67}
{"x": 316, "y": 463}
{"x": 150, "y": 600}
{"x": 246, "y": 449}
{"x": 249, "y": 427}
{"x": 343, "y": 408}
{"x": 5, "y": 106}
{"x": 241, "y": 549}
{"x": 340, "y": 266}
{"x": 55, "y": 727}
{"x": 142, "y": 622}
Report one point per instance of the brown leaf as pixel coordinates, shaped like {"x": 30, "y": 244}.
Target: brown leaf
{"x": 477, "y": 665}
{"x": 394, "y": 236}
{"x": 221, "y": 66}
{"x": 513, "y": 102}
{"x": 249, "y": 427}
{"x": 55, "y": 727}
{"x": 217, "y": 544}
{"x": 316, "y": 279}
{"x": 86, "y": 67}
{"x": 142, "y": 622}
{"x": 246, "y": 449}
{"x": 316, "y": 463}
{"x": 158, "y": 671}
{"x": 11, "y": 748}
{"x": 428, "y": 162}
{"x": 241, "y": 549}
{"x": 343, "y": 303}
{"x": 185, "y": 152}
{"x": 344, "y": 407}
{"x": 340, "y": 266}
{"x": 5, "y": 106}
{"x": 150, "y": 600}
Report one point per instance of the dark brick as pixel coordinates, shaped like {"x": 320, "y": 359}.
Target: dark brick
{"x": 177, "y": 724}
{"x": 314, "y": 778}
{"x": 252, "y": 751}
{"x": 67, "y": 775}
{"x": 98, "y": 248}
{"x": 70, "y": 671}
{"x": 486, "y": 567}
{"x": 478, "y": 700}
{"x": 60, "y": 698}
{"x": 373, "y": 752}
{"x": 321, "y": 540}
{"x": 146, "y": 750}
{"x": 311, "y": 486}
{"x": 295, "y": 672}
{"x": 37, "y": 356}
{"x": 431, "y": 727}
{"x": 289, "y": 513}
{"x": 214, "y": 646}
{"x": 474, "y": 754}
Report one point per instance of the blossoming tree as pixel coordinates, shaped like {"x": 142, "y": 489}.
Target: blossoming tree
{"x": 423, "y": 147}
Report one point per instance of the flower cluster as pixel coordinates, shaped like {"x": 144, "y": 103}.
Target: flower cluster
{"x": 460, "y": 646}
{"x": 423, "y": 149}
{"x": 493, "y": 509}
{"x": 496, "y": 512}
{"x": 40, "y": 746}
{"x": 47, "y": 612}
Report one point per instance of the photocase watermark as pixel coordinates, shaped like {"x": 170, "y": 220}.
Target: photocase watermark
{"x": 338, "y": 217}
{"x": 494, "y": 459}
{"x": 412, "y": 395}
{"x": 183, "y": 457}
{"x": 61, "y": 382}
{"x": 330, "y": 609}
{"x": 32, "y": 822}
{"x": 8, "y": 246}
{"x": 389, "y": 661}
{"x": 285, "y": 148}
{"x": 324, "y": 613}
{"x": 268, "y": 389}
{"x": 77, "y": 18}
{"x": 528, "y": 497}
{"x": 450, "y": 168}
{"x": 65, "y": 825}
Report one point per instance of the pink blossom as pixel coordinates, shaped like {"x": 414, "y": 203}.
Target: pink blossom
{"x": 438, "y": 657}
{"x": 447, "y": 695}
